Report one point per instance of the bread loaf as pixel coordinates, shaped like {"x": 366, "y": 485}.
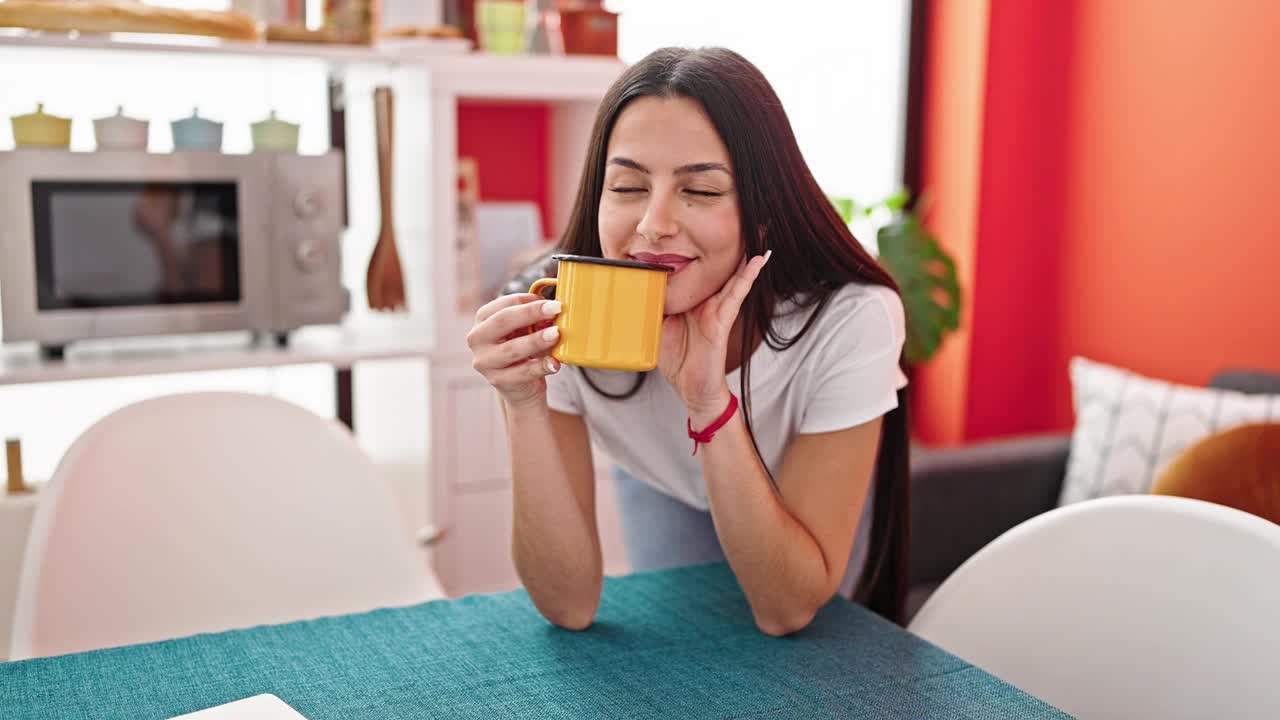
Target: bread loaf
{"x": 106, "y": 16}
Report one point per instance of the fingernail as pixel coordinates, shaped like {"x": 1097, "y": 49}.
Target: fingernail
{"x": 551, "y": 307}
{"x": 551, "y": 333}
{"x": 551, "y": 365}
{"x": 767, "y": 255}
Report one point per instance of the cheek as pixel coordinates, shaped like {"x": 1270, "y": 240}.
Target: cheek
{"x": 616, "y": 226}
{"x": 719, "y": 239}
{"x": 719, "y": 242}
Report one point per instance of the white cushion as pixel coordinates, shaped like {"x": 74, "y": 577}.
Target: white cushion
{"x": 1129, "y": 427}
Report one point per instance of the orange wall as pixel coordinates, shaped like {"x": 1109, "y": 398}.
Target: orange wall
{"x": 1172, "y": 262}
{"x": 1123, "y": 184}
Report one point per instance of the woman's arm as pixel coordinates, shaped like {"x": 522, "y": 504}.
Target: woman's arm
{"x": 555, "y": 544}
{"x": 789, "y": 548}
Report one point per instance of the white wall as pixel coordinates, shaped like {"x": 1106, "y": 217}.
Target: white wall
{"x": 839, "y": 67}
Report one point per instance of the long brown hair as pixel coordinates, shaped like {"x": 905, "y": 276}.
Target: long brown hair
{"x": 816, "y": 254}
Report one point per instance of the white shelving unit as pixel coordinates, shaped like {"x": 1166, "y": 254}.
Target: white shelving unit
{"x": 191, "y": 44}
{"x": 337, "y": 347}
{"x": 449, "y": 62}
{"x": 467, "y": 490}
{"x": 471, "y": 476}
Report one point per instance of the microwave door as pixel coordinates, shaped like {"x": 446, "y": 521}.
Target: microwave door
{"x": 105, "y": 244}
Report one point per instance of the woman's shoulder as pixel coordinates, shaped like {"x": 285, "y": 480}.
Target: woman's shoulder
{"x": 853, "y": 307}
{"x": 858, "y": 323}
{"x": 855, "y": 297}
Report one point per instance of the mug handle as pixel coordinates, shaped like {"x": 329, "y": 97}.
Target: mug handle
{"x": 540, "y": 285}
{"x": 536, "y": 289}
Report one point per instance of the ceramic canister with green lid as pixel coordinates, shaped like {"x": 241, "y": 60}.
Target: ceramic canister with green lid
{"x": 274, "y": 135}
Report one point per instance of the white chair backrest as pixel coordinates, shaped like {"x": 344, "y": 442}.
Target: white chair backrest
{"x": 204, "y": 512}
{"x": 1125, "y": 607}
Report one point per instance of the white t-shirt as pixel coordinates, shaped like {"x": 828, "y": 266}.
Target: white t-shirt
{"x": 843, "y": 372}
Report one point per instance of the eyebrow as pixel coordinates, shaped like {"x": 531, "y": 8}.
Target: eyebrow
{"x": 689, "y": 169}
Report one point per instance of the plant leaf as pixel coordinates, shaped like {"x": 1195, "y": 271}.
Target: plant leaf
{"x": 844, "y": 207}
{"x": 926, "y": 276}
{"x": 897, "y": 201}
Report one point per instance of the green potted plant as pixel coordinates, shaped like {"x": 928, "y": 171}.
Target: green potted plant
{"x": 925, "y": 273}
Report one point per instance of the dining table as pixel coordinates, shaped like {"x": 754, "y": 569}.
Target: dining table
{"x": 675, "y": 643}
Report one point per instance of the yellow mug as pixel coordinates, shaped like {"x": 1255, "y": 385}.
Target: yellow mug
{"x": 612, "y": 312}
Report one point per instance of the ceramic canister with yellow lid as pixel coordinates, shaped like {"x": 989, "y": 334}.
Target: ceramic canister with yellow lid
{"x": 41, "y": 130}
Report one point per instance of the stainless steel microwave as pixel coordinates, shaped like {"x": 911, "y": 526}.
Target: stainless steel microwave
{"x": 114, "y": 244}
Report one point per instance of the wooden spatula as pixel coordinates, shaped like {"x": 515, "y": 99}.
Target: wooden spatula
{"x": 384, "y": 280}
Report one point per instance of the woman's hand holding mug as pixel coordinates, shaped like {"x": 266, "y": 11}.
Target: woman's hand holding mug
{"x": 512, "y": 359}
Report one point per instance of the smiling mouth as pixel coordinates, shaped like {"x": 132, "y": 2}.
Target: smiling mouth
{"x": 677, "y": 263}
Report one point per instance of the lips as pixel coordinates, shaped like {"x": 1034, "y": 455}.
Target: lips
{"x": 675, "y": 262}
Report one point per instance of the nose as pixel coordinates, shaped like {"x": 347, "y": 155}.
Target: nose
{"x": 659, "y": 221}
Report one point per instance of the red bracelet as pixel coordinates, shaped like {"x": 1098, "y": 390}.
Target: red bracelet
{"x": 704, "y": 437}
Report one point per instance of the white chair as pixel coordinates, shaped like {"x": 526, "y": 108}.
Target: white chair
{"x": 1126, "y": 607}
{"x": 204, "y": 512}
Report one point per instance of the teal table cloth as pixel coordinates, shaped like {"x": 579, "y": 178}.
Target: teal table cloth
{"x": 671, "y": 644}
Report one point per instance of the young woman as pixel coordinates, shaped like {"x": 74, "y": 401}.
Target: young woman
{"x": 781, "y": 334}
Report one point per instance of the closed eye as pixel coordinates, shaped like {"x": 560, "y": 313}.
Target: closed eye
{"x": 704, "y": 193}
{"x": 626, "y": 189}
